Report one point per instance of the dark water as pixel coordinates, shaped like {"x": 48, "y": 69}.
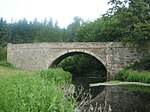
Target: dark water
{"x": 114, "y": 98}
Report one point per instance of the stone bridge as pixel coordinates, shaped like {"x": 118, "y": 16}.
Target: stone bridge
{"x": 39, "y": 56}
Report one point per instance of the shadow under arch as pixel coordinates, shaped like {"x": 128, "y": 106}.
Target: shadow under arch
{"x": 62, "y": 56}
{"x": 84, "y": 81}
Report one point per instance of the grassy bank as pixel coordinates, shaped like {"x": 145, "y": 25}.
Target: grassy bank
{"x": 22, "y": 91}
{"x": 133, "y": 76}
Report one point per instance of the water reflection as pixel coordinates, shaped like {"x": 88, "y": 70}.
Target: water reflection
{"x": 120, "y": 98}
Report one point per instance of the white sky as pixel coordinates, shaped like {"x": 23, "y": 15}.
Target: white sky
{"x": 61, "y": 10}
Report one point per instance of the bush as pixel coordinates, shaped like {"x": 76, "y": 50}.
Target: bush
{"x": 3, "y": 53}
{"x": 58, "y": 75}
{"x": 6, "y": 64}
{"x": 34, "y": 92}
{"x": 134, "y": 76}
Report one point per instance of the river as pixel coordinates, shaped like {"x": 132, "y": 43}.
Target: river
{"x": 111, "y": 98}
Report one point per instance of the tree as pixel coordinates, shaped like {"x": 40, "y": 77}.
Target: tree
{"x": 72, "y": 28}
{"x": 51, "y": 32}
{"x": 3, "y": 32}
{"x": 22, "y": 31}
{"x": 103, "y": 29}
{"x": 134, "y": 20}
{"x": 122, "y": 22}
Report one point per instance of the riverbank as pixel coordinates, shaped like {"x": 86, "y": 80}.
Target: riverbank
{"x": 128, "y": 77}
{"x": 131, "y": 75}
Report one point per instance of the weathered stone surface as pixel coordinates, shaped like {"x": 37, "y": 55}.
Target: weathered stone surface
{"x": 38, "y": 56}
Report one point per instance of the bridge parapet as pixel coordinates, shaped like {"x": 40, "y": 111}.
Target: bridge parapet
{"x": 80, "y": 45}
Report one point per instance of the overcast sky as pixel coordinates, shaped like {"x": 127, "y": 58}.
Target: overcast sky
{"x": 61, "y": 10}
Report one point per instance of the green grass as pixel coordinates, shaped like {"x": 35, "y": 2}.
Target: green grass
{"x": 4, "y": 71}
{"x": 133, "y": 76}
{"x": 25, "y": 91}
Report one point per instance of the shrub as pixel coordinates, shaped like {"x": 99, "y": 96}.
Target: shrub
{"x": 6, "y": 64}
{"x": 58, "y": 75}
{"x": 3, "y": 53}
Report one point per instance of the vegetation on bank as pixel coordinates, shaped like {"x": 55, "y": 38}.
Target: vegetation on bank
{"x": 139, "y": 72}
{"x": 22, "y": 91}
{"x": 133, "y": 76}
{"x": 3, "y": 53}
{"x": 136, "y": 74}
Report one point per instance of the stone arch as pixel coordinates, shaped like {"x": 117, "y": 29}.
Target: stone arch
{"x": 67, "y": 53}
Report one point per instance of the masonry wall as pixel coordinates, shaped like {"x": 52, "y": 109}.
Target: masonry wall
{"x": 39, "y": 56}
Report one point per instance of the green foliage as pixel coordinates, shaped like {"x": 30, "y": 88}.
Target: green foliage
{"x": 3, "y": 31}
{"x": 127, "y": 21}
{"x": 122, "y": 22}
{"x": 58, "y": 75}
{"x": 3, "y": 56}
{"x": 84, "y": 65}
{"x": 139, "y": 72}
{"x": 24, "y": 31}
{"x": 73, "y": 27}
{"x": 133, "y": 76}
{"x": 3, "y": 53}
{"x": 51, "y": 32}
{"x": 22, "y": 92}
{"x": 134, "y": 20}
{"x": 104, "y": 29}
{"x": 6, "y": 64}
